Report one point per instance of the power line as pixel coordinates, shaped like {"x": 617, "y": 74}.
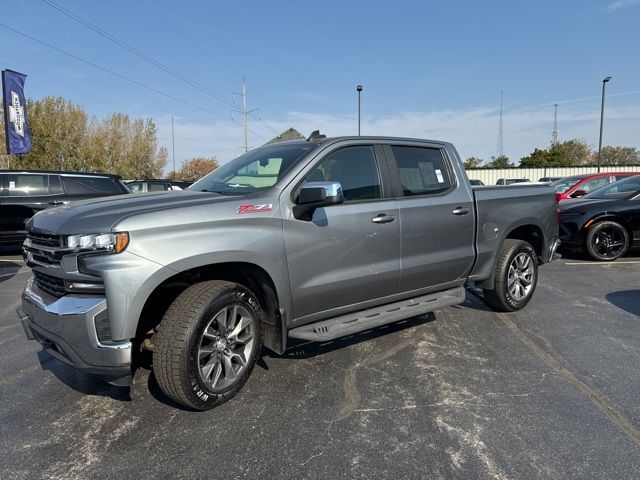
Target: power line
{"x": 208, "y": 54}
{"x": 115, "y": 74}
{"x": 139, "y": 53}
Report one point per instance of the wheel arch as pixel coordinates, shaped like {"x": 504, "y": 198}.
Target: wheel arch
{"x": 251, "y": 275}
{"x": 529, "y": 232}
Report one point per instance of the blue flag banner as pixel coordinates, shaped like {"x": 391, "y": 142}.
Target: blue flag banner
{"x": 15, "y": 113}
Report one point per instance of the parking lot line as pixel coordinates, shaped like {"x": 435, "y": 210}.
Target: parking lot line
{"x": 632, "y": 432}
{"x": 602, "y": 263}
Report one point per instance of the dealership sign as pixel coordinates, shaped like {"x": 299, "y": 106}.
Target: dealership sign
{"x": 16, "y": 122}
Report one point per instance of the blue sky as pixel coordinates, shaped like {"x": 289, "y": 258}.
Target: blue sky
{"x": 429, "y": 69}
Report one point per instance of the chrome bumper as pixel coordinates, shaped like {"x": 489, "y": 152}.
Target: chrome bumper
{"x": 66, "y": 328}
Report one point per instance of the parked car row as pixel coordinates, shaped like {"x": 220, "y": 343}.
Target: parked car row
{"x": 24, "y": 193}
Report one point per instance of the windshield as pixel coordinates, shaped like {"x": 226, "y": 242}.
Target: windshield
{"x": 565, "y": 184}
{"x": 258, "y": 169}
{"x": 621, "y": 189}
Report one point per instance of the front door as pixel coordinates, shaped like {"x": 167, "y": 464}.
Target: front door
{"x": 348, "y": 256}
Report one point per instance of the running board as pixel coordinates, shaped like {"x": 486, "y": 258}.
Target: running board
{"x": 375, "y": 317}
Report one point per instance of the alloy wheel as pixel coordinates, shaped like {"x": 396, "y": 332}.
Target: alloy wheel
{"x": 225, "y": 347}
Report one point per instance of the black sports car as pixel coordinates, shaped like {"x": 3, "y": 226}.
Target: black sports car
{"x": 605, "y": 222}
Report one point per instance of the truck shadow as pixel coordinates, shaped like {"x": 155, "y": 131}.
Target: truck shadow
{"x": 627, "y": 300}
{"x": 8, "y": 269}
{"x": 81, "y": 382}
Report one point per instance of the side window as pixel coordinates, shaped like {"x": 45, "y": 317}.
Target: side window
{"x": 90, "y": 185}
{"x": 423, "y": 170}
{"x": 135, "y": 187}
{"x": 594, "y": 184}
{"x": 356, "y": 170}
{"x": 156, "y": 187}
{"x": 27, "y": 184}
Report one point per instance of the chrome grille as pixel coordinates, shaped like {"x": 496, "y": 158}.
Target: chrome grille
{"x": 44, "y": 239}
{"x": 52, "y": 285}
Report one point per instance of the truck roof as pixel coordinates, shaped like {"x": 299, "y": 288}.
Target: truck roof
{"x": 60, "y": 172}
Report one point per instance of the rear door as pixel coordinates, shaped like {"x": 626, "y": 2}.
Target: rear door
{"x": 436, "y": 217}
{"x": 348, "y": 256}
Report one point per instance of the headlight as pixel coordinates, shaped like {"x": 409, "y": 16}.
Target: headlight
{"x": 108, "y": 242}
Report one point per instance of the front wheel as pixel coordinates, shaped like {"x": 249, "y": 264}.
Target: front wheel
{"x": 516, "y": 277}
{"x": 607, "y": 241}
{"x": 207, "y": 344}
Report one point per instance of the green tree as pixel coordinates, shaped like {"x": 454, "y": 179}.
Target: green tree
{"x": 472, "y": 162}
{"x": 196, "y": 168}
{"x": 501, "y": 161}
{"x": 537, "y": 158}
{"x": 620, "y": 156}
{"x": 568, "y": 153}
{"x": 65, "y": 138}
{"x": 58, "y": 128}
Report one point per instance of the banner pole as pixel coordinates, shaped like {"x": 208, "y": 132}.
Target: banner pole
{"x": 6, "y": 117}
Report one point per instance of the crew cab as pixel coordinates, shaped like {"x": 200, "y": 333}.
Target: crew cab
{"x": 309, "y": 239}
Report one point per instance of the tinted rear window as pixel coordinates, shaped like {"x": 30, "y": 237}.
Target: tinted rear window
{"x": 27, "y": 184}
{"x": 91, "y": 185}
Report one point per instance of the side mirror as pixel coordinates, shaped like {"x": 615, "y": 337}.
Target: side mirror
{"x": 579, "y": 193}
{"x": 315, "y": 195}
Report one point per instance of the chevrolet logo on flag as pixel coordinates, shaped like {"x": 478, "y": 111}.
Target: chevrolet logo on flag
{"x": 16, "y": 114}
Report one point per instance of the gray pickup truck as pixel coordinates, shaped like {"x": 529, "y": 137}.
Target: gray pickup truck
{"x": 311, "y": 240}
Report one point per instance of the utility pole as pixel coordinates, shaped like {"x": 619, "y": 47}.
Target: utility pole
{"x": 500, "y": 150}
{"x": 245, "y": 114}
{"x": 173, "y": 147}
{"x": 554, "y": 134}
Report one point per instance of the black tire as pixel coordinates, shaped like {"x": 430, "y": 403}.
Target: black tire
{"x": 181, "y": 335}
{"x": 607, "y": 241}
{"x": 500, "y": 296}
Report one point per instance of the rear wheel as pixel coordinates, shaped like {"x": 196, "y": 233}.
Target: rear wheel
{"x": 207, "y": 344}
{"x": 516, "y": 277}
{"x": 607, "y": 241}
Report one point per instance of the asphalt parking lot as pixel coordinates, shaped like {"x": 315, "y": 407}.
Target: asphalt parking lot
{"x": 548, "y": 392}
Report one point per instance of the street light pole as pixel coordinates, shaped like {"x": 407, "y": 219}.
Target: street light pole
{"x": 604, "y": 83}
{"x": 359, "y": 89}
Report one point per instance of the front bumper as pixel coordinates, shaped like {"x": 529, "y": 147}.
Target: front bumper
{"x": 66, "y": 327}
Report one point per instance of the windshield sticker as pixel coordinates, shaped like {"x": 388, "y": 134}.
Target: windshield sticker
{"x": 439, "y": 175}
{"x": 265, "y": 207}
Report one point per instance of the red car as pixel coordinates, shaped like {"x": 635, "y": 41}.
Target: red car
{"x": 580, "y": 185}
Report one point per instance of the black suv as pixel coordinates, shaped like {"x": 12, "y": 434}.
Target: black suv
{"x": 24, "y": 193}
{"x": 155, "y": 185}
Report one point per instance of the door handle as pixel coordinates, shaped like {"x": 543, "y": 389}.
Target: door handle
{"x": 460, "y": 211}
{"x": 56, "y": 203}
{"x": 383, "y": 218}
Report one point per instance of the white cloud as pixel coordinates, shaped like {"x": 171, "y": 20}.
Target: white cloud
{"x": 619, "y": 5}
{"x": 473, "y": 131}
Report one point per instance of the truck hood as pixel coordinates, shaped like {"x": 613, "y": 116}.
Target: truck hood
{"x": 99, "y": 215}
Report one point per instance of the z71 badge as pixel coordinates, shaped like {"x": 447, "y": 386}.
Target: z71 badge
{"x": 265, "y": 207}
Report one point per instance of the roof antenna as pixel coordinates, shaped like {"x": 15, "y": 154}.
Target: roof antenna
{"x": 315, "y": 135}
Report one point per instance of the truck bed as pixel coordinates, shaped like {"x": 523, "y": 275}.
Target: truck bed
{"x": 500, "y": 210}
